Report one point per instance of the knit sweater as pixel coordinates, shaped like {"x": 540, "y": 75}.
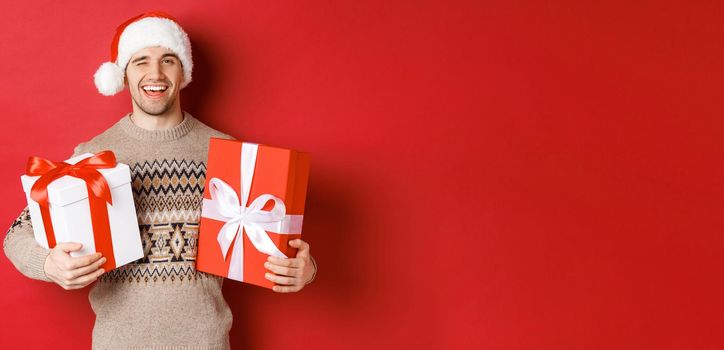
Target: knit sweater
{"x": 159, "y": 301}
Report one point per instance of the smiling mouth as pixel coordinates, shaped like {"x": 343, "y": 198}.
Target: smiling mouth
{"x": 154, "y": 91}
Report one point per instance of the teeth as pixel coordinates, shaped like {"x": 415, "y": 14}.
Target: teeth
{"x": 154, "y": 88}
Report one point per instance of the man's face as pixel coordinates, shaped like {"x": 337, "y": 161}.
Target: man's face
{"x": 154, "y": 76}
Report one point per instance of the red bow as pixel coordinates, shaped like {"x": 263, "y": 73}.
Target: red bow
{"x": 86, "y": 170}
{"x": 99, "y": 193}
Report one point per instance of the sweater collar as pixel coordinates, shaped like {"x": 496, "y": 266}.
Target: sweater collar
{"x": 170, "y": 134}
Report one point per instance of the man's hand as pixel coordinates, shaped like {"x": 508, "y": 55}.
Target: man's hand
{"x": 291, "y": 275}
{"x": 69, "y": 272}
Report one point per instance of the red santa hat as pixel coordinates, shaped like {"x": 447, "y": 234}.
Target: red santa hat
{"x": 145, "y": 30}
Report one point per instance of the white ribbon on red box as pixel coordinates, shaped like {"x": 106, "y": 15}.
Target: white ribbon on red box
{"x": 224, "y": 206}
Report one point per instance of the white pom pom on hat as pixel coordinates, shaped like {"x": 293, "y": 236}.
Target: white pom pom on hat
{"x": 109, "y": 79}
{"x": 146, "y": 30}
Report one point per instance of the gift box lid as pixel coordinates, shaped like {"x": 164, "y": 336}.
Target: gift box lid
{"x": 278, "y": 171}
{"x": 69, "y": 189}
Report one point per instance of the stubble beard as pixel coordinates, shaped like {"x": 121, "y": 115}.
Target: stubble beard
{"x": 154, "y": 108}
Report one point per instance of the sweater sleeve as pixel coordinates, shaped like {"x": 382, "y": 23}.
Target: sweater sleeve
{"x": 21, "y": 248}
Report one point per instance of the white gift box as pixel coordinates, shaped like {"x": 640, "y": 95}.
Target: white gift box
{"x": 71, "y": 217}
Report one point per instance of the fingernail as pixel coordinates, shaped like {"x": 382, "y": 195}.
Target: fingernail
{"x": 104, "y": 259}
{"x": 267, "y": 275}
{"x": 266, "y": 264}
{"x": 269, "y": 258}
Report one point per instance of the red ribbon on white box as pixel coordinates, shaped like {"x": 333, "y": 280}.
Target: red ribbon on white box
{"x": 224, "y": 206}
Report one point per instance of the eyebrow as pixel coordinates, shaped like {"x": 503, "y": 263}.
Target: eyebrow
{"x": 138, "y": 59}
{"x": 170, "y": 55}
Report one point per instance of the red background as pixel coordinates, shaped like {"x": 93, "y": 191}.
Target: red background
{"x": 499, "y": 175}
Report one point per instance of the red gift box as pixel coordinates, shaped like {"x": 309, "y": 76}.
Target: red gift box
{"x": 253, "y": 206}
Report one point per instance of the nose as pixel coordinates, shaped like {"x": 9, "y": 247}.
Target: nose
{"x": 154, "y": 71}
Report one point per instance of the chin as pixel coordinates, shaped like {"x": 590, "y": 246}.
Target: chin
{"x": 156, "y": 109}
{"x": 155, "y": 112}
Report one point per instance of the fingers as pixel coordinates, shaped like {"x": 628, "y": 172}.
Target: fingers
{"x": 73, "y": 272}
{"x": 283, "y": 270}
{"x": 291, "y": 275}
{"x": 84, "y": 270}
{"x": 287, "y": 289}
{"x": 83, "y": 261}
{"x": 282, "y": 280}
{"x": 287, "y": 273}
{"x": 301, "y": 245}
{"x": 291, "y": 262}
{"x": 85, "y": 280}
{"x": 69, "y": 246}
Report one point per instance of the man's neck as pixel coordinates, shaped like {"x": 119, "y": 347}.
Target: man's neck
{"x": 157, "y": 122}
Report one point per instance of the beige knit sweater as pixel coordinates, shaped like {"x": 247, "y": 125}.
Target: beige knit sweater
{"x": 159, "y": 301}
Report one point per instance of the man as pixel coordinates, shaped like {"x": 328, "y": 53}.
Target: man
{"x": 159, "y": 301}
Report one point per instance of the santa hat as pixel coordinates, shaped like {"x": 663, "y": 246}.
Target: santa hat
{"x": 145, "y": 30}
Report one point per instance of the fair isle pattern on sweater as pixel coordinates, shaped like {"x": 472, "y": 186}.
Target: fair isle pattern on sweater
{"x": 168, "y": 196}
